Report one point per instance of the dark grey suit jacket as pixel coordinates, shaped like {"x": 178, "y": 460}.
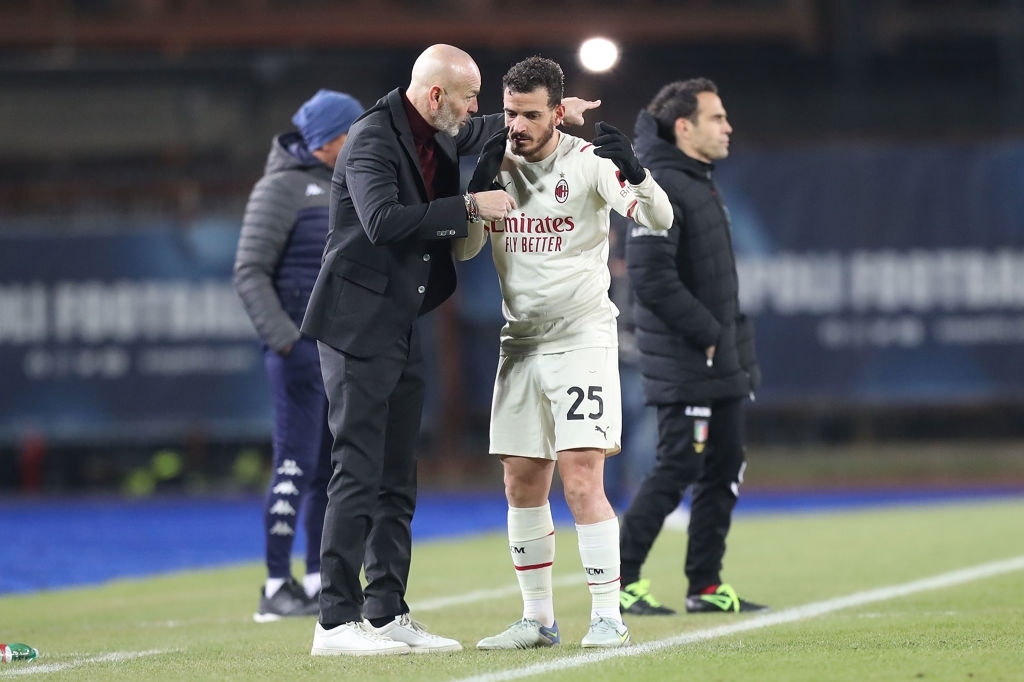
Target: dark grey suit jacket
{"x": 388, "y": 254}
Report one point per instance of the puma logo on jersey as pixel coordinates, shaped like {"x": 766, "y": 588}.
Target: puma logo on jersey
{"x": 604, "y": 431}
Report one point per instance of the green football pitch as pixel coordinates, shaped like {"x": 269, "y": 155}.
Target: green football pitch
{"x": 920, "y": 592}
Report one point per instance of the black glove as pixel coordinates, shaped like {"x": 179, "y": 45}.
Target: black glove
{"x": 610, "y": 143}
{"x": 489, "y": 163}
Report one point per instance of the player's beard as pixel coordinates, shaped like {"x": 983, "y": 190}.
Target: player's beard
{"x": 446, "y": 120}
{"x": 522, "y": 146}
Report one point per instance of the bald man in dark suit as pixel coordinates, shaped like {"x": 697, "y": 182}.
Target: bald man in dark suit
{"x": 395, "y": 209}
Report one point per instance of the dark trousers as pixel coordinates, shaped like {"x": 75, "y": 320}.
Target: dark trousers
{"x": 302, "y": 457}
{"x": 374, "y": 413}
{"x": 714, "y": 467}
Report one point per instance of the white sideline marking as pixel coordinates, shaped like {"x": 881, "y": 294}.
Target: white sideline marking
{"x": 575, "y": 661}
{"x": 767, "y": 620}
{"x": 486, "y": 595}
{"x": 34, "y": 668}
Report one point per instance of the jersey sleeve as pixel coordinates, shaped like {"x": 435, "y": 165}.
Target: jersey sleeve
{"x": 645, "y": 203}
{"x": 464, "y": 248}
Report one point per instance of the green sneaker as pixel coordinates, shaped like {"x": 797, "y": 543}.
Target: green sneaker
{"x": 636, "y": 599}
{"x": 720, "y": 599}
{"x": 523, "y": 634}
{"x": 606, "y": 633}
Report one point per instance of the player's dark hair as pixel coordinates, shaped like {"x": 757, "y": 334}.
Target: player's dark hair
{"x": 677, "y": 100}
{"x": 536, "y": 72}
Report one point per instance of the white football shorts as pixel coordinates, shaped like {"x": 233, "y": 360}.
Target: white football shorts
{"x": 546, "y": 403}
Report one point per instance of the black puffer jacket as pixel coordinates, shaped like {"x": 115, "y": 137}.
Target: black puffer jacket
{"x": 686, "y": 292}
{"x": 282, "y": 240}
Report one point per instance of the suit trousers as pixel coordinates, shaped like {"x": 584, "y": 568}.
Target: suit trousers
{"x": 375, "y": 407}
{"x": 693, "y": 449}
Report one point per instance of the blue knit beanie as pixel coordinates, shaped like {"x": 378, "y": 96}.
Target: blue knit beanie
{"x": 326, "y": 115}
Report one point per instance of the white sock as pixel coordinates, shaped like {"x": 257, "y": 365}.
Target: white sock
{"x": 599, "y": 552}
{"x": 311, "y": 584}
{"x": 531, "y": 539}
{"x": 272, "y": 585}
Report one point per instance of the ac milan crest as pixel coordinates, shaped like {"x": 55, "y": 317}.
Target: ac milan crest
{"x": 561, "y": 191}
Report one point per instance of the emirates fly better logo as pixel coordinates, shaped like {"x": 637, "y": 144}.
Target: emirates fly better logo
{"x": 561, "y": 190}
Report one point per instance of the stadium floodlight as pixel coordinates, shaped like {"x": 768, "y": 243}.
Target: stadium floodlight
{"x": 598, "y": 54}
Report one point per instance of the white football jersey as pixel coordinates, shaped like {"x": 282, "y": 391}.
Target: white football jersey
{"x": 551, "y": 252}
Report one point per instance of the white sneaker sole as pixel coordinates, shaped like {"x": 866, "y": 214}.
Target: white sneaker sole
{"x": 266, "y": 617}
{"x": 611, "y": 645}
{"x": 331, "y": 651}
{"x": 435, "y": 649}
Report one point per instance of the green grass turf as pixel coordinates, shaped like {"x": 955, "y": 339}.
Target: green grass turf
{"x": 199, "y": 623}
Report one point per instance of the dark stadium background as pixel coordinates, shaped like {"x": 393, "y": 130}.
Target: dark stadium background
{"x": 132, "y": 131}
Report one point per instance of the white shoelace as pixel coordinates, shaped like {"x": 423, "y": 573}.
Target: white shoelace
{"x": 416, "y": 626}
{"x": 371, "y": 633}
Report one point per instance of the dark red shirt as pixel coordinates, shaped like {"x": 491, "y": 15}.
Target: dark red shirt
{"x": 423, "y": 137}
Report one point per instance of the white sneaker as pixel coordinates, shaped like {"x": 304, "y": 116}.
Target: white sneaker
{"x": 404, "y": 629}
{"x": 353, "y": 639}
{"x": 605, "y": 633}
{"x": 525, "y": 633}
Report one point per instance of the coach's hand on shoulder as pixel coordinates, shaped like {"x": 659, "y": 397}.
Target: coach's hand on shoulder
{"x": 611, "y": 143}
{"x": 489, "y": 163}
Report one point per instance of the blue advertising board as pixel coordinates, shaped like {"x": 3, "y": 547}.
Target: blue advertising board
{"x": 883, "y": 275}
{"x": 130, "y": 335}
{"x": 876, "y": 276}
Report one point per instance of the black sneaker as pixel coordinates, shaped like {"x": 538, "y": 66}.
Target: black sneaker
{"x": 290, "y": 600}
{"x": 636, "y": 599}
{"x": 722, "y": 599}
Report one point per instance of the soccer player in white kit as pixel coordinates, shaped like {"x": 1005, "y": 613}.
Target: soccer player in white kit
{"x": 556, "y": 392}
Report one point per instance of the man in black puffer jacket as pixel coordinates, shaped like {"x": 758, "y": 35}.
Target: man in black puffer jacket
{"x": 696, "y": 350}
